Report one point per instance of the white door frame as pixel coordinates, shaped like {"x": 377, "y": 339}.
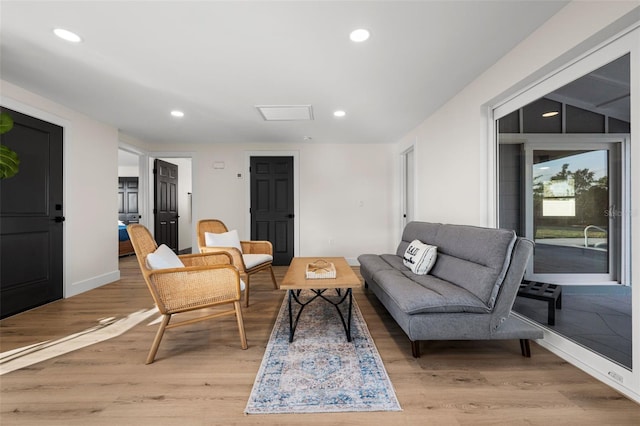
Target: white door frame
{"x": 628, "y": 41}
{"x": 408, "y": 186}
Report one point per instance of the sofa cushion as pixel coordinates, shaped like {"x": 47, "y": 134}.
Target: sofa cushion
{"x": 420, "y": 257}
{"x": 419, "y": 294}
{"x": 471, "y": 257}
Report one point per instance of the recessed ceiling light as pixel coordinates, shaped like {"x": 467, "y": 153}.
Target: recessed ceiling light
{"x": 550, "y": 114}
{"x": 67, "y": 35}
{"x": 339, "y": 113}
{"x": 177, "y": 113}
{"x": 359, "y": 35}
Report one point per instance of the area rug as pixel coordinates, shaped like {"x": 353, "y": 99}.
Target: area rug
{"x": 320, "y": 371}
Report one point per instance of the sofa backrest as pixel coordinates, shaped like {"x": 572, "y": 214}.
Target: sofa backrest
{"x": 471, "y": 257}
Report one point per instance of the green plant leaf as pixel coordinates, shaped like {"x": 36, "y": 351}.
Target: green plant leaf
{"x": 9, "y": 162}
{"x": 6, "y": 123}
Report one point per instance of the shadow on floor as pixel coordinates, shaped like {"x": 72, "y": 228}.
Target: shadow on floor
{"x": 597, "y": 317}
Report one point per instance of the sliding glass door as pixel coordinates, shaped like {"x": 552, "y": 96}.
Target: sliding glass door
{"x": 572, "y": 196}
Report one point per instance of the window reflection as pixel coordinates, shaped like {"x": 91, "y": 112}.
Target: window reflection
{"x": 560, "y": 175}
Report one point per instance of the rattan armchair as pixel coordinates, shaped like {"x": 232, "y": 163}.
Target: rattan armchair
{"x": 206, "y": 280}
{"x": 242, "y": 260}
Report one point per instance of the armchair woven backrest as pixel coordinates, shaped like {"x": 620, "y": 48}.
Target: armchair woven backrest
{"x": 205, "y": 280}
{"x": 175, "y": 293}
{"x": 143, "y": 244}
{"x": 213, "y": 226}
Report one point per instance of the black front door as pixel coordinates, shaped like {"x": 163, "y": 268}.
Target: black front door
{"x": 31, "y": 217}
{"x": 128, "y": 210}
{"x": 272, "y": 205}
{"x": 166, "y": 204}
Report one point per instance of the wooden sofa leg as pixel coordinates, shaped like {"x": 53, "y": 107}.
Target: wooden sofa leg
{"x": 415, "y": 348}
{"x": 525, "y": 348}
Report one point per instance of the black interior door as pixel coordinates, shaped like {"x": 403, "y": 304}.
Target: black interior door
{"x": 128, "y": 209}
{"x": 272, "y": 205}
{"x": 166, "y": 204}
{"x": 31, "y": 217}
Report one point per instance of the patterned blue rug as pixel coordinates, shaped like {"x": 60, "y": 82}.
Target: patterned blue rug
{"x": 320, "y": 371}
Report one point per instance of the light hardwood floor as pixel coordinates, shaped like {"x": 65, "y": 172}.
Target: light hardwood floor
{"x": 202, "y": 377}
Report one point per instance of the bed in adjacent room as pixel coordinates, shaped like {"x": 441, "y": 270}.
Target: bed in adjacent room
{"x": 125, "y": 248}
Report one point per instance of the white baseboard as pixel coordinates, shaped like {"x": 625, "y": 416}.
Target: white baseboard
{"x": 91, "y": 283}
{"x": 608, "y": 372}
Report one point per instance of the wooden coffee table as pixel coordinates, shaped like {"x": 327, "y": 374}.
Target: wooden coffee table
{"x": 295, "y": 281}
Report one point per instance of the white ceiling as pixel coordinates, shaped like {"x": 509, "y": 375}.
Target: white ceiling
{"x": 217, "y": 60}
{"x": 606, "y": 90}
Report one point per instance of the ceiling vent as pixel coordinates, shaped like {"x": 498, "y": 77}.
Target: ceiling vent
{"x": 285, "y": 112}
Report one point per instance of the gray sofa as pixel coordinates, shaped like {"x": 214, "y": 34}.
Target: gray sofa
{"x": 468, "y": 293}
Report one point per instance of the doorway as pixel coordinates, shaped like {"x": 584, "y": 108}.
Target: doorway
{"x": 32, "y": 216}
{"x": 564, "y": 181}
{"x": 128, "y": 199}
{"x": 165, "y": 208}
{"x": 570, "y": 192}
{"x": 408, "y": 187}
{"x": 272, "y": 205}
{"x": 133, "y": 162}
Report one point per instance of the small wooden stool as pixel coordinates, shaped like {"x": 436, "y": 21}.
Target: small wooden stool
{"x": 550, "y": 293}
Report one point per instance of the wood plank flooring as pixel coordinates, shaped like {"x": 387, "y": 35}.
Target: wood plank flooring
{"x": 202, "y": 377}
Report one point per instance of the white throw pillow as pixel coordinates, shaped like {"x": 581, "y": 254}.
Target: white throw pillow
{"x": 226, "y": 239}
{"x": 163, "y": 258}
{"x": 420, "y": 257}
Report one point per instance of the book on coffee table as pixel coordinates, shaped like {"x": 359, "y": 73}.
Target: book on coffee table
{"x": 320, "y": 269}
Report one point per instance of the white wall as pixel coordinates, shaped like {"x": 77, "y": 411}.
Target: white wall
{"x": 90, "y": 195}
{"x": 451, "y": 155}
{"x": 453, "y": 165}
{"x": 455, "y": 151}
{"x": 128, "y": 171}
{"x": 347, "y": 196}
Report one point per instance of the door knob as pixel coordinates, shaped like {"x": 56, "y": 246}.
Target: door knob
{"x": 290, "y": 216}
{"x": 59, "y": 219}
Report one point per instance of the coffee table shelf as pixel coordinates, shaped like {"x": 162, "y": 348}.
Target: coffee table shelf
{"x": 295, "y": 281}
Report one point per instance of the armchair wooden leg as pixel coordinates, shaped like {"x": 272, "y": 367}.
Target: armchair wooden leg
{"x": 246, "y": 292}
{"x": 273, "y": 278}
{"x": 156, "y": 342}
{"x": 243, "y": 337}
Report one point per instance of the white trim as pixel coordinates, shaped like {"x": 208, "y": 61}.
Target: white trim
{"x": 143, "y": 178}
{"x": 583, "y": 62}
{"x": 607, "y": 142}
{"x": 489, "y": 172}
{"x": 93, "y": 282}
{"x": 296, "y": 190}
{"x": 593, "y": 364}
{"x": 404, "y": 208}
